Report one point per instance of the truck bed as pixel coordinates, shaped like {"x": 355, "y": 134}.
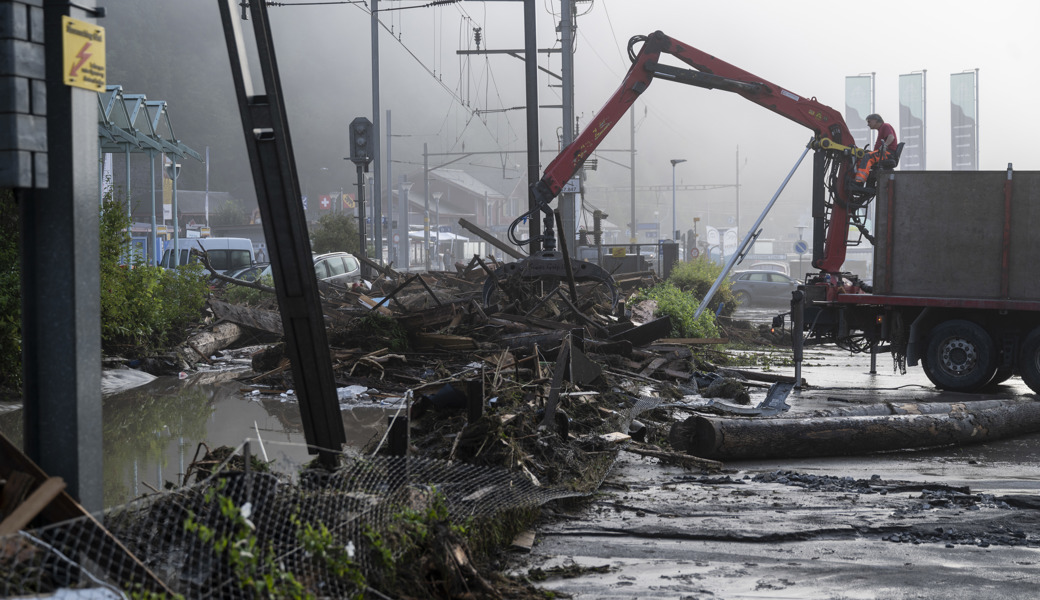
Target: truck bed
{"x": 962, "y": 236}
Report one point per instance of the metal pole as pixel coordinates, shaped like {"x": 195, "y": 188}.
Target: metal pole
{"x": 152, "y": 253}
{"x": 391, "y": 247}
{"x": 207, "y": 186}
{"x": 437, "y": 225}
{"x": 362, "y": 229}
{"x": 531, "y": 79}
{"x": 377, "y": 186}
{"x": 426, "y": 206}
{"x": 675, "y": 224}
{"x": 568, "y": 201}
{"x": 176, "y": 225}
{"x": 632, "y": 173}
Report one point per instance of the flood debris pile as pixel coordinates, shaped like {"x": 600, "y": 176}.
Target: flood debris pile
{"x": 503, "y": 410}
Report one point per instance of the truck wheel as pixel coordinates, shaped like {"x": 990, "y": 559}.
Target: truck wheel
{"x": 1029, "y": 361}
{"x": 961, "y": 356}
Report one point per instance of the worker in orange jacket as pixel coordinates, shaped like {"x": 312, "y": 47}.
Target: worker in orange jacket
{"x": 883, "y": 147}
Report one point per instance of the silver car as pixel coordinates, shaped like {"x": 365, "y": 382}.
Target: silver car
{"x": 337, "y": 267}
{"x": 334, "y": 267}
{"x": 761, "y": 287}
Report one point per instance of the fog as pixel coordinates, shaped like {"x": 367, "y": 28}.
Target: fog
{"x": 475, "y": 103}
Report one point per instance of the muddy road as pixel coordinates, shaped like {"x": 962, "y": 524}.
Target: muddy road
{"x": 950, "y": 523}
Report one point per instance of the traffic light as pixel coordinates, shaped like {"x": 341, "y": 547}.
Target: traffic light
{"x": 361, "y": 141}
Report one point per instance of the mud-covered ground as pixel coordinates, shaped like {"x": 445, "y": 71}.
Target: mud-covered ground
{"x": 950, "y": 523}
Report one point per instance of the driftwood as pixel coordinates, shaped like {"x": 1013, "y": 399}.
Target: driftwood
{"x": 218, "y": 337}
{"x": 683, "y": 460}
{"x": 749, "y": 438}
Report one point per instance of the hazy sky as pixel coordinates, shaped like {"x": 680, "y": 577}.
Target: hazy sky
{"x": 806, "y": 47}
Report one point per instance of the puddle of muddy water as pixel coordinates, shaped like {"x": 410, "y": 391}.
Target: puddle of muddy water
{"x": 153, "y": 432}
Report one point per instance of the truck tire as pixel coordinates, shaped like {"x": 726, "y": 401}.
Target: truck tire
{"x": 1029, "y": 361}
{"x": 961, "y": 356}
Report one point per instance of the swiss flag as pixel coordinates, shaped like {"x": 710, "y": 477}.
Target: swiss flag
{"x": 326, "y": 202}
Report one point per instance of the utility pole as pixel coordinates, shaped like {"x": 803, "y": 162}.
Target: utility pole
{"x": 568, "y": 210}
{"x": 632, "y": 173}
{"x": 377, "y": 190}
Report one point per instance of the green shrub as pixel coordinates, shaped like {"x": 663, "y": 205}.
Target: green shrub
{"x": 696, "y": 277}
{"x": 680, "y": 306}
{"x": 247, "y": 296}
{"x": 10, "y": 296}
{"x": 336, "y": 233}
{"x": 142, "y": 307}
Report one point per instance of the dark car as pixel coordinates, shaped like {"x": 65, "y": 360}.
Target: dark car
{"x": 761, "y": 287}
{"x": 250, "y": 273}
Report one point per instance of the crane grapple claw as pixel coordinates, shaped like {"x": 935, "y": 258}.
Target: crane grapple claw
{"x": 515, "y": 279}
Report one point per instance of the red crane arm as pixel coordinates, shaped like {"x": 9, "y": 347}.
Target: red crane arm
{"x": 829, "y": 128}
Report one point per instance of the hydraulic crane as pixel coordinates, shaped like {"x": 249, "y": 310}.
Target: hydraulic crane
{"x": 836, "y": 204}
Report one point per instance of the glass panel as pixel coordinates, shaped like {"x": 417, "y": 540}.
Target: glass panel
{"x": 218, "y": 259}
{"x": 352, "y": 264}
{"x": 321, "y": 270}
{"x": 240, "y": 258}
{"x": 335, "y": 265}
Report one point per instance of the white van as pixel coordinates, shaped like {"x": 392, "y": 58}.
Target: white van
{"x": 224, "y": 253}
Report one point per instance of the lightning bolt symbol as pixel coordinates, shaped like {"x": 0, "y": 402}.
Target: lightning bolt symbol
{"x": 83, "y": 56}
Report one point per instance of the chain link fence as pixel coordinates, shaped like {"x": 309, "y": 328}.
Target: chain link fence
{"x": 244, "y": 533}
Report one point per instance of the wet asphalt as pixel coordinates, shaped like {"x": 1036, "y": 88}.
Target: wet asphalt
{"x": 944, "y": 523}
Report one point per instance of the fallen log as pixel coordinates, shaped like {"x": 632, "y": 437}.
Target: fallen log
{"x": 914, "y": 408}
{"x": 750, "y": 438}
{"x": 218, "y": 337}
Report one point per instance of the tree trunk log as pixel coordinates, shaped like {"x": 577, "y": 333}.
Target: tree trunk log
{"x": 220, "y": 336}
{"x": 750, "y": 438}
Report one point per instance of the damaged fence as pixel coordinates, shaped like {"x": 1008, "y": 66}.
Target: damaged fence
{"x": 242, "y": 533}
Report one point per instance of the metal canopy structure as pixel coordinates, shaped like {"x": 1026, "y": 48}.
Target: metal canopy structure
{"x": 130, "y": 123}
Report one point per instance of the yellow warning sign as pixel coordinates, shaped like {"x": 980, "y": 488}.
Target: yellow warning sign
{"x": 83, "y": 45}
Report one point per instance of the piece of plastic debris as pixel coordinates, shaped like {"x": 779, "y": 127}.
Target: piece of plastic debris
{"x": 350, "y": 392}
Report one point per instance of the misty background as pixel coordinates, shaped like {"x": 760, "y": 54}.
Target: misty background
{"x": 175, "y": 51}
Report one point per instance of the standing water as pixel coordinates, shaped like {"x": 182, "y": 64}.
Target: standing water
{"x": 153, "y": 432}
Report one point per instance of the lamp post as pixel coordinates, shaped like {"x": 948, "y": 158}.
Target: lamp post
{"x": 675, "y": 161}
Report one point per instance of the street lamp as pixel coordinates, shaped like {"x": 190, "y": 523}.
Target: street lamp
{"x": 675, "y": 161}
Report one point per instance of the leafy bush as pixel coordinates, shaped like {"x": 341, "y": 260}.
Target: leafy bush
{"x": 142, "y": 306}
{"x": 696, "y": 277}
{"x": 680, "y": 306}
{"x": 247, "y": 296}
{"x": 10, "y": 297}
{"x": 336, "y": 233}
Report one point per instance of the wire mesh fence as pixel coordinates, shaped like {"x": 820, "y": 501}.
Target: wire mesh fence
{"x": 244, "y": 533}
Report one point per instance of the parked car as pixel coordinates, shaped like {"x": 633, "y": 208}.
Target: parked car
{"x": 761, "y": 287}
{"x": 771, "y": 266}
{"x": 335, "y": 267}
{"x": 250, "y": 273}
